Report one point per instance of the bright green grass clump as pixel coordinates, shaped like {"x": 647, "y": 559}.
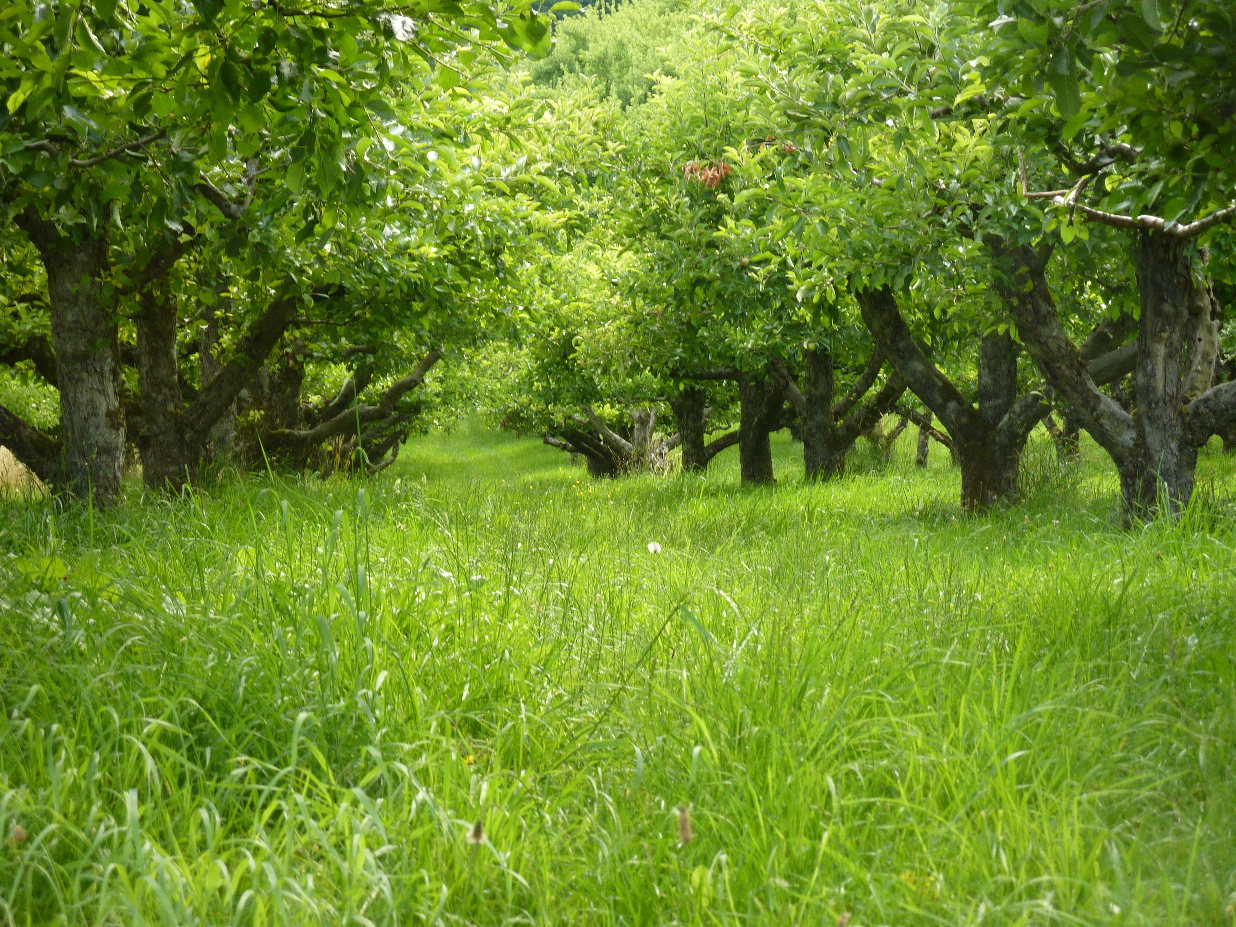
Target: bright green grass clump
{"x": 286, "y": 702}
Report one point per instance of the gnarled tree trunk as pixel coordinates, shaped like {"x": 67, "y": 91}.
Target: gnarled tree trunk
{"x": 173, "y": 436}
{"x": 609, "y": 452}
{"x": 1154, "y": 448}
{"x": 365, "y": 436}
{"x": 987, "y": 439}
{"x": 84, "y": 339}
{"x": 1163, "y": 461}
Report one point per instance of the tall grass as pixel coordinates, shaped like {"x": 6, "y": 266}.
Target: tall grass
{"x": 286, "y": 702}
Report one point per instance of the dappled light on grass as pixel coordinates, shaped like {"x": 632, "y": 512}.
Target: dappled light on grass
{"x": 476, "y": 694}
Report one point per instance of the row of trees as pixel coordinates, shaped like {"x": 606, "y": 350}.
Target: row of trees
{"x": 250, "y": 231}
{"x": 999, "y": 208}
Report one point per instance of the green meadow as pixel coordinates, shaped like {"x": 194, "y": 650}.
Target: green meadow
{"x": 484, "y": 689}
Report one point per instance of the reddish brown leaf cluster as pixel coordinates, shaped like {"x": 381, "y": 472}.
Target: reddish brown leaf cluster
{"x": 708, "y": 175}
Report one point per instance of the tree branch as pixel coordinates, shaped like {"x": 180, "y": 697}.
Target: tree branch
{"x": 1017, "y": 423}
{"x": 786, "y": 379}
{"x": 349, "y": 418}
{"x": 39, "y": 453}
{"x": 220, "y": 200}
{"x": 717, "y": 445}
{"x": 343, "y": 400}
{"x": 38, "y": 351}
{"x": 865, "y": 381}
{"x": 889, "y": 329}
{"x": 251, "y": 353}
{"x": 1113, "y": 365}
{"x": 1023, "y": 286}
{"x": 608, "y": 435}
{"x": 854, "y": 424}
{"x": 1213, "y": 412}
{"x": 118, "y": 150}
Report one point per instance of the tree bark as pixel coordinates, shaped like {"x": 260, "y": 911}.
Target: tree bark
{"x": 822, "y": 457}
{"x": 689, "y": 408}
{"x": 997, "y": 376}
{"x": 221, "y": 442}
{"x": 1023, "y": 285}
{"x": 923, "y": 448}
{"x": 759, "y": 402}
{"x": 168, "y": 460}
{"x": 1155, "y": 448}
{"x": 1164, "y": 460}
{"x": 84, "y": 339}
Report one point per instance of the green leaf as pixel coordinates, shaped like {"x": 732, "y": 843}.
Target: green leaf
{"x": 208, "y": 9}
{"x": 73, "y": 114}
{"x": 18, "y": 96}
{"x": 447, "y": 77}
{"x": 971, "y": 90}
{"x": 1150, "y": 13}
{"x": 1062, "y": 75}
{"x": 1034, "y": 33}
{"x": 529, "y": 33}
{"x": 295, "y": 176}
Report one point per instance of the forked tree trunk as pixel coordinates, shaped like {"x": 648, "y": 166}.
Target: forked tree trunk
{"x": 987, "y": 439}
{"x": 364, "y": 436}
{"x": 609, "y": 452}
{"x": 174, "y": 437}
{"x": 1154, "y": 448}
{"x": 829, "y": 426}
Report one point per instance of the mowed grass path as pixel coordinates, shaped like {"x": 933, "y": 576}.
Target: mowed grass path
{"x": 286, "y": 702}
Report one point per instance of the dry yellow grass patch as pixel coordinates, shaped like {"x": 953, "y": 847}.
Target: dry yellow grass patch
{"x": 14, "y": 477}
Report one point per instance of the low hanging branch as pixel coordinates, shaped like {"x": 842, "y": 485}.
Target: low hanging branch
{"x": 39, "y": 453}
{"x": 368, "y": 434}
{"x": 609, "y": 452}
